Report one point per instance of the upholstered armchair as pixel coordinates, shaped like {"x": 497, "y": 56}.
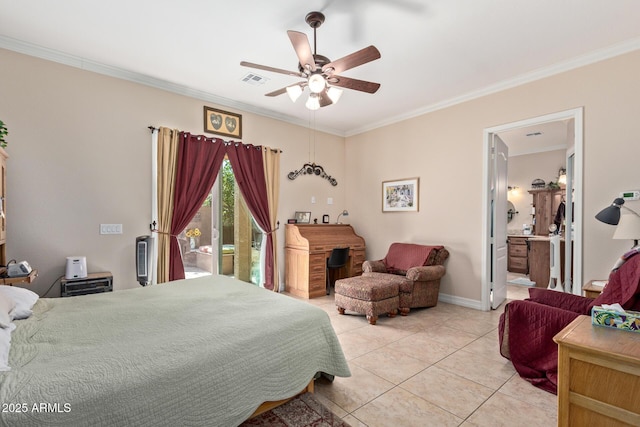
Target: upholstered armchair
{"x": 417, "y": 269}
{"x": 526, "y": 328}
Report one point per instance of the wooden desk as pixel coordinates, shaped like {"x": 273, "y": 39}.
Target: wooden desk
{"x": 307, "y": 247}
{"x": 598, "y": 375}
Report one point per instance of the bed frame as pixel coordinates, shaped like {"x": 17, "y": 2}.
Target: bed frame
{"x": 267, "y": 406}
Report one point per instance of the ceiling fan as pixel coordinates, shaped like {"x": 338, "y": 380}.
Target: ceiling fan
{"x": 322, "y": 76}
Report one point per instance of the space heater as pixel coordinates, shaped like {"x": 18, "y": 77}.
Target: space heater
{"x": 144, "y": 247}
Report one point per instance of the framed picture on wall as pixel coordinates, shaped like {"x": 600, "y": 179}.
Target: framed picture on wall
{"x": 401, "y": 195}
{"x": 303, "y": 217}
{"x": 222, "y": 122}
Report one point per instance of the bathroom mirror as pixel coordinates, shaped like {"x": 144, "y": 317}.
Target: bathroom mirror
{"x": 511, "y": 211}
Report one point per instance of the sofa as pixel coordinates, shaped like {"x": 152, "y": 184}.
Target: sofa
{"x": 526, "y": 328}
{"x": 416, "y": 269}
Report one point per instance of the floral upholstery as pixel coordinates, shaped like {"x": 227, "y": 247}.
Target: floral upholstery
{"x": 368, "y": 296}
{"x": 416, "y": 268}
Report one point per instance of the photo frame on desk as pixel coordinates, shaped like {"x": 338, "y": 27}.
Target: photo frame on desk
{"x": 401, "y": 195}
{"x": 303, "y": 217}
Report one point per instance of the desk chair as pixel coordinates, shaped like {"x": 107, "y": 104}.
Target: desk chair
{"x": 337, "y": 259}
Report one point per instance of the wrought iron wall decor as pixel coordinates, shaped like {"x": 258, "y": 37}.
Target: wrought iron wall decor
{"x": 312, "y": 169}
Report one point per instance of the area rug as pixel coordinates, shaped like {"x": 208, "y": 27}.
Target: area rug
{"x": 522, "y": 281}
{"x": 302, "y": 411}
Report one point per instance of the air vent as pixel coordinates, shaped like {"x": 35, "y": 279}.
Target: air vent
{"x": 534, "y": 134}
{"x": 254, "y": 79}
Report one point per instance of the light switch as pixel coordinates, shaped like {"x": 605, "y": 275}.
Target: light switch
{"x": 330, "y": 200}
{"x": 313, "y": 199}
{"x": 110, "y": 228}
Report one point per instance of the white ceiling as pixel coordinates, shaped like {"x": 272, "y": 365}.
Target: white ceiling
{"x": 434, "y": 52}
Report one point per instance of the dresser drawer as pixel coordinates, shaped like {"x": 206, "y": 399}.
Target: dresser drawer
{"x": 518, "y": 264}
{"x": 517, "y": 250}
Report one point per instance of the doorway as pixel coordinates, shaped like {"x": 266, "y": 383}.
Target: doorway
{"x": 223, "y": 238}
{"x": 574, "y": 158}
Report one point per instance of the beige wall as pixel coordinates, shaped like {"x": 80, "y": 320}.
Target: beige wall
{"x": 444, "y": 149}
{"x": 522, "y": 171}
{"x": 80, "y": 156}
{"x": 79, "y": 151}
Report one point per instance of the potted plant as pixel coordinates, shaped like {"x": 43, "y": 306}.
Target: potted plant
{"x": 3, "y": 133}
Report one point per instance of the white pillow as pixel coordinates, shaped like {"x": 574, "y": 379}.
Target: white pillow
{"x": 5, "y": 343}
{"x": 24, "y": 298}
{"x": 7, "y": 304}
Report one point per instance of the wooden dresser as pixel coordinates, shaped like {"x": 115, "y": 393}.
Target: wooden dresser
{"x": 598, "y": 375}
{"x": 545, "y": 203}
{"x": 307, "y": 247}
{"x": 539, "y": 260}
{"x": 518, "y": 258}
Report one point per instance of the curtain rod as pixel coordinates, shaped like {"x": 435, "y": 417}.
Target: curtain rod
{"x": 275, "y": 150}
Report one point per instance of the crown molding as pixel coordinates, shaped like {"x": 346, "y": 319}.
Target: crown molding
{"x": 561, "y": 67}
{"x": 120, "y": 73}
{"x": 82, "y": 63}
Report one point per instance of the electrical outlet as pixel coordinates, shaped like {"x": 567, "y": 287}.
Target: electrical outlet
{"x": 330, "y": 200}
{"x": 313, "y": 199}
{"x": 110, "y": 228}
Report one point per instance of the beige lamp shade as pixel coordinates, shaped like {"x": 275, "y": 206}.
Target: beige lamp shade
{"x": 628, "y": 228}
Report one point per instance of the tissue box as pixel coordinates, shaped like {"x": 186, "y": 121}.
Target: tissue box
{"x": 627, "y": 321}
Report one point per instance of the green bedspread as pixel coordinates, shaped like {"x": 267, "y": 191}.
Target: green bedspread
{"x": 200, "y": 352}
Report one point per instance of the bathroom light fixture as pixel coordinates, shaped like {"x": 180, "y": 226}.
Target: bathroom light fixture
{"x": 562, "y": 176}
{"x": 343, "y": 213}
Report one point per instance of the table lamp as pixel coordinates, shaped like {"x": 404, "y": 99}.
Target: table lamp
{"x": 343, "y": 213}
{"x": 628, "y": 228}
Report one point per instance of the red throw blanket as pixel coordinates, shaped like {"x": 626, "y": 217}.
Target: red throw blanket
{"x": 527, "y": 328}
{"x": 403, "y": 256}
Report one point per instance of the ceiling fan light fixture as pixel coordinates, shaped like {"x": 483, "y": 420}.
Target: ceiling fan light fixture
{"x": 334, "y": 94}
{"x": 317, "y": 83}
{"x": 294, "y": 92}
{"x": 313, "y": 103}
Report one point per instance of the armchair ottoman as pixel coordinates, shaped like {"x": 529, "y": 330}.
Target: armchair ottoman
{"x": 417, "y": 269}
{"x": 367, "y": 296}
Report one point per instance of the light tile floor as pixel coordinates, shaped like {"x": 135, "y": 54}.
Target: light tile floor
{"x": 435, "y": 367}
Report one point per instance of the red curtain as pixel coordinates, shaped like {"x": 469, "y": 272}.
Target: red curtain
{"x": 246, "y": 161}
{"x": 199, "y": 159}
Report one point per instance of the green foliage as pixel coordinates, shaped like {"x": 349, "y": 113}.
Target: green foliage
{"x": 228, "y": 193}
{"x": 3, "y": 132}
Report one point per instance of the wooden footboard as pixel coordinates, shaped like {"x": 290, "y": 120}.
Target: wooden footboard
{"x": 267, "y": 406}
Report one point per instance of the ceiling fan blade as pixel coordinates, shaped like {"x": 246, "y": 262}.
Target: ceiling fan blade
{"x": 355, "y": 84}
{"x": 353, "y": 60}
{"x": 284, "y": 89}
{"x": 302, "y": 47}
{"x": 277, "y": 92}
{"x": 324, "y": 99}
{"x": 272, "y": 69}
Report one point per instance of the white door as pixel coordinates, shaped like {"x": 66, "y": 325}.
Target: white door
{"x": 500, "y": 156}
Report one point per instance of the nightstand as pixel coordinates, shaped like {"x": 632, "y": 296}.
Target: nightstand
{"x": 591, "y": 290}
{"x": 92, "y": 284}
{"x": 598, "y": 375}
{"x": 19, "y": 280}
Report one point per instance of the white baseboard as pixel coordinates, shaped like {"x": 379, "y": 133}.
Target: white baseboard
{"x": 464, "y": 302}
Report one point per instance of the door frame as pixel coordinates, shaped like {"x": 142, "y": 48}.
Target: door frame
{"x": 577, "y": 115}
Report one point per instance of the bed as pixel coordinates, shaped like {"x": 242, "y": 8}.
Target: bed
{"x": 206, "y": 351}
